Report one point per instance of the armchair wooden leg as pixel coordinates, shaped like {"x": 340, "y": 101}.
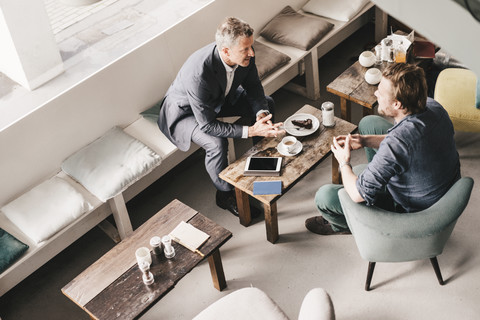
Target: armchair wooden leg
{"x": 436, "y": 267}
{"x": 371, "y": 268}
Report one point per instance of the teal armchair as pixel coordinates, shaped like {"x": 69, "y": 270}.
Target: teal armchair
{"x": 383, "y": 236}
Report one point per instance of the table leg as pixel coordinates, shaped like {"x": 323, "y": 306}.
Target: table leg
{"x": 120, "y": 214}
{"x": 336, "y": 176}
{"x": 216, "y": 269}
{"x": 271, "y": 222}
{"x": 346, "y": 109}
{"x": 243, "y": 205}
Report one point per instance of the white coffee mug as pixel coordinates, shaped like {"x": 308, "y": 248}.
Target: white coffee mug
{"x": 289, "y": 143}
{"x": 143, "y": 254}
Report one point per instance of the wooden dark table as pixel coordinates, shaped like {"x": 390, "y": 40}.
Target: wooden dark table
{"x": 351, "y": 86}
{"x": 316, "y": 147}
{"x": 112, "y": 287}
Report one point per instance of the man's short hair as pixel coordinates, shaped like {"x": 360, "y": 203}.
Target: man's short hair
{"x": 409, "y": 85}
{"x": 230, "y": 30}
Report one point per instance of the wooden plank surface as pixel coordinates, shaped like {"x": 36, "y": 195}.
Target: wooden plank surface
{"x": 129, "y": 298}
{"x": 352, "y": 86}
{"x": 315, "y": 148}
{"x": 120, "y": 258}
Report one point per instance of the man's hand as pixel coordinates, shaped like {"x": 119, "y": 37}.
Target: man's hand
{"x": 356, "y": 141}
{"x": 265, "y": 128}
{"x": 263, "y": 115}
{"x": 342, "y": 154}
{"x": 341, "y": 149}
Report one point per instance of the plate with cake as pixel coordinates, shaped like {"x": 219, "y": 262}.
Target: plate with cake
{"x": 301, "y": 124}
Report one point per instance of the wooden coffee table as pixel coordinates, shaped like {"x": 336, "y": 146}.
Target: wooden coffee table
{"x": 316, "y": 147}
{"x": 112, "y": 287}
{"x": 351, "y": 86}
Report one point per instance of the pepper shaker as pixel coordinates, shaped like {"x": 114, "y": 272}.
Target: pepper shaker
{"x": 156, "y": 244}
{"x": 147, "y": 276}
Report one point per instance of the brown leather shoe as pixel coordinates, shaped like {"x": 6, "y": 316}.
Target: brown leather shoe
{"x": 321, "y": 226}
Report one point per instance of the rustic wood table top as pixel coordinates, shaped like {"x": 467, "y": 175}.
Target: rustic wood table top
{"x": 112, "y": 287}
{"x": 316, "y": 147}
{"x": 351, "y": 85}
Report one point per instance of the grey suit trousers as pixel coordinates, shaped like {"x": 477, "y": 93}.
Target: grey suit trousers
{"x": 216, "y": 148}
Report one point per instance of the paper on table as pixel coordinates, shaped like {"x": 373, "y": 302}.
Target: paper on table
{"x": 189, "y": 236}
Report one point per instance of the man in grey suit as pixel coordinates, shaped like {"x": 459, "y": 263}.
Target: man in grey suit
{"x": 218, "y": 80}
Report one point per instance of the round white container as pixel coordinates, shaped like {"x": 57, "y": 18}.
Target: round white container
{"x": 366, "y": 59}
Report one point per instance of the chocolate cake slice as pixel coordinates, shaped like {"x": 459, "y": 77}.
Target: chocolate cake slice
{"x": 307, "y": 124}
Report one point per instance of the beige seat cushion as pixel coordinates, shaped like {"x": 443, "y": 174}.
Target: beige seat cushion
{"x": 293, "y": 29}
{"x": 268, "y": 60}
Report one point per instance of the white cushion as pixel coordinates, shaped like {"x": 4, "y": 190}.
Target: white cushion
{"x": 110, "y": 164}
{"x": 46, "y": 209}
{"x": 341, "y": 10}
{"x": 146, "y": 130}
{"x": 246, "y": 303}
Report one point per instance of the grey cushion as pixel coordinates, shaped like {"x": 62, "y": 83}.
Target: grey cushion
{"x": 268, "y": 59}
{"x": 10, "y": 249}
{"x": 296, "y": 30}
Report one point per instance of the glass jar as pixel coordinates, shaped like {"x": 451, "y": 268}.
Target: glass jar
{"x": 328, "y": 114}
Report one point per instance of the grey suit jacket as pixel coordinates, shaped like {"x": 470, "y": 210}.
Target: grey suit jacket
{"x": 198, "y": 93}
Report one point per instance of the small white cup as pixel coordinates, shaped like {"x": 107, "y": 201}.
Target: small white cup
{"x": 367, "y": 59}
{"x": 289, "y": 142}
{"x": 143, "y": 254}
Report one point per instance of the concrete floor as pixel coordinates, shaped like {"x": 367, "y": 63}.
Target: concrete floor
{"x": 298, "y": 262}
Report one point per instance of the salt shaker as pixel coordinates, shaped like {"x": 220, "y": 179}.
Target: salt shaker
{"x": 327, "y": 114}
{"x": 156, "y": 244}
{"x": 386, "y": 49}
{"x": 378, "y": 55}
{"x": 167, "y": 247}
{"x": 147, "y": 276}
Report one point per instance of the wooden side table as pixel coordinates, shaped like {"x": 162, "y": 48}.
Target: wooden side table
{"x": 351, "y": 86}
{"x": 112, "y": 287}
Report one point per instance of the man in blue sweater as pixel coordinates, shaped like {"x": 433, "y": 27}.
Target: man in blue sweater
{"x": 412, "y": 163}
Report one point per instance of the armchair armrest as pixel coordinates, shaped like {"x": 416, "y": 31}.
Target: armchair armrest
{"x": 317, "y": 305}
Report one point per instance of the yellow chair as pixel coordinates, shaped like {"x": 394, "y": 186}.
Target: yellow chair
{"x": 455, "y": 90}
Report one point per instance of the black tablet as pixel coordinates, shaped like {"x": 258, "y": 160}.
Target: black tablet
{"x": 263, "y": 166}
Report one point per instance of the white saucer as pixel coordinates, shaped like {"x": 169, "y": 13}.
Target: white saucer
{"x": 284, "y": 152}
{"x": 299, "y": 131}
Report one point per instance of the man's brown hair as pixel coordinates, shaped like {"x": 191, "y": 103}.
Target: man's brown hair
{"x": 409, "y": 85}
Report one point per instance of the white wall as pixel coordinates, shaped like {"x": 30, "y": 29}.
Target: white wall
{"x": 33, "y": 148}
{"x": 29, "y": 54}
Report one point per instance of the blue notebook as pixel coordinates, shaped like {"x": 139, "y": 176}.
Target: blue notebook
{"x": 267, "y": 187}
